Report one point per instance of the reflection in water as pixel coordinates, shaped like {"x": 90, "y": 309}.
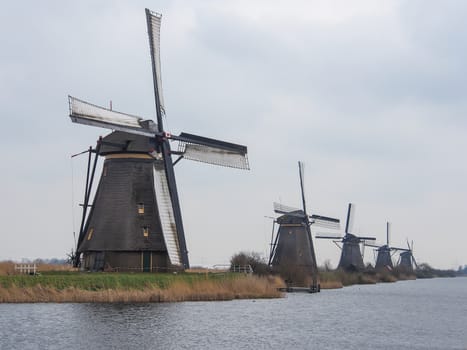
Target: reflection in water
{"x": 423, "y": 314}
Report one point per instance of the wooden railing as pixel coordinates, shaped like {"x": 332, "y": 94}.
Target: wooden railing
{"x": 30, "y": 269}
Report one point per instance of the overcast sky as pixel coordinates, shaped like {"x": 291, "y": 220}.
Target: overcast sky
{"x": 371, "y": 95}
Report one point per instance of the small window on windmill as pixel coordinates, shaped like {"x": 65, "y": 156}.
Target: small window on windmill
{"x": 90, "y": 232}
{"x": 140, "y": 208}
{"x": 104, "y": 172}
{"x": 146, "y": 231}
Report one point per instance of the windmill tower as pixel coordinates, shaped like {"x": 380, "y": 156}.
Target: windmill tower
{"x": 351, "y": 255}
{"x": 384, "y": 251}
{"x": 292, "y": 253}
{"x": 406, "y": 259}
{"x": 134, "y": 222}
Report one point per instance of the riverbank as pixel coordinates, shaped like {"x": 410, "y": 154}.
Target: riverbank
{"x": 339, "y": 279}
{"x": 61, "y": 283}
{"x": 77, "y": 287}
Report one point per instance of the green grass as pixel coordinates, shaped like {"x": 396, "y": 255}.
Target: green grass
{"x": 101, "y": 281}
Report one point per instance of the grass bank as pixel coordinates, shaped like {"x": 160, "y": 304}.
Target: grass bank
{"x": 70, "y": 286}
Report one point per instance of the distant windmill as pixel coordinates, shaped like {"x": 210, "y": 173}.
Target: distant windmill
{"x": 406, "y": 259}
{"x": 292, "y": 251}
{"x": 384, "y": 251}
{"x": 351, "y": 255}
{"x": 135, "y": 222}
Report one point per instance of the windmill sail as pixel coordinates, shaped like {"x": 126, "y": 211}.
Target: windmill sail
{"x": 82, "y": 112}
{"x": 166, "y": 214}
{"x": 388, "y": 232}
{"x": 301, "y": 173}
{"x": 324, "y": 221}
{"x": 212, "y": 151}
{"x": 350, "y": 218}
{"x": 317, "y": 220}
{"x": 153, "y": 20}
{"x": 284, "y": 209}
{"x": 293, "y": 253}
{"x": 328, "y": 236}
{"x": 351, "y": 255}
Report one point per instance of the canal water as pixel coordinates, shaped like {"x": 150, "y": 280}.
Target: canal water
{"x": 422, "y": 314}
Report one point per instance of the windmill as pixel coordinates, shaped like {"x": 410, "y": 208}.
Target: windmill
{"x": 292, "y": 252}
{"x": 406, "y": 259}
{"x": 384, "y": 251}
{"x": 351, "y": 254}
{"x": 135, "y": 221}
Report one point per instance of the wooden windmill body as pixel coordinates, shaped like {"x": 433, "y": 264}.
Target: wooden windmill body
{"x": 292, "y": 251}
{"x": 351, "y": 258}
{"x": 384, "y": 252}
{"x": 407, "y": 261}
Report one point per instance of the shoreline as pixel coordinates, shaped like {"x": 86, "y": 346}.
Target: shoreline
{"x": 71, "y": 286}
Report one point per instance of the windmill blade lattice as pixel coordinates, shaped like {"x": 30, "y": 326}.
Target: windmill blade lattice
{"x": 325, "y": 221}
{"x": 301, "y": 170}
{"x": 212, "y": 151}
{"x": 82, "y": 112}
{"x": 166, "y": 214}
{"x": 280, "y": 208}
{"x": 153, "y": 21}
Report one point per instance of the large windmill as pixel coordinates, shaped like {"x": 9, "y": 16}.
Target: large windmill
{"x": 292, "y": 252}
{"x": 135, "y": 222}
{"x": 384, "y": 251}
{"x": 351, "y": 255}
{"x": 406, "y": 259}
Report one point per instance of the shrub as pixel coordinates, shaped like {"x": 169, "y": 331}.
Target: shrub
{"x": 255, "y": 260}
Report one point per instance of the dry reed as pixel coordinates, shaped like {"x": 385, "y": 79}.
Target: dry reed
{"x": 8, "y": 268}
{"x": 243, "y": 287}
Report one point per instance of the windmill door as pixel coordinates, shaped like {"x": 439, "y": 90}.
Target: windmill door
{"x": 146, "y": 261}
{"x": 98, "y": 261}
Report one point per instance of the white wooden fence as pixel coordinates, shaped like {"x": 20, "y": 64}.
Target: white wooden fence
{"x": 30, "y": 269}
